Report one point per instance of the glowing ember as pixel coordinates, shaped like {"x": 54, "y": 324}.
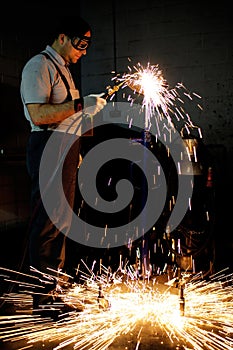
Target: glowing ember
{"x": 206, "y": 324}
{"x": 150, "y": 83}
{"x": 159, "y": 101}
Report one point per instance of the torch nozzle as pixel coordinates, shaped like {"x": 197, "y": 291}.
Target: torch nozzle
{"x": 112, "y": 89}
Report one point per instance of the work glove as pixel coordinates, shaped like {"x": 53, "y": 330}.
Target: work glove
{"x": 92, "y": 104}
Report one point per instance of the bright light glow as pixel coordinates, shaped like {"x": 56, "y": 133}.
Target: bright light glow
{"x": 129, "y": 304}
{"x": 159, "y": 101}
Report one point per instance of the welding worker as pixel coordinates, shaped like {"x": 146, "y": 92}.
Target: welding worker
{"x": 51, "y": 102}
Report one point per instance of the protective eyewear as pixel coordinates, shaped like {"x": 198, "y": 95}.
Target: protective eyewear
{"x": 81, "y": 43}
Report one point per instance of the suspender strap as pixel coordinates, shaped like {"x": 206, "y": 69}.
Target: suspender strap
{"x": 61, "y": 74}
{"x": 45, "y": 127}
{"x": 78, "y": 103}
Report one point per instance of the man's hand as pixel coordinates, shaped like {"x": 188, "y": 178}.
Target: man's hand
{"x": 93, "y": 103}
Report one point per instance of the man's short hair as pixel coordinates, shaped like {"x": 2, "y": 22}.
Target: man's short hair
{"x": 72, "y": 26}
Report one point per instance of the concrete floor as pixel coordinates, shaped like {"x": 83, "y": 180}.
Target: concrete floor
{"x": 143, "y": 335}
{"x": 104, "y": 331}
{"x": 151, "y": 338}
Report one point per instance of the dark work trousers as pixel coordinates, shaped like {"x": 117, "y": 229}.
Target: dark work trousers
{"x": 47, "y": 232}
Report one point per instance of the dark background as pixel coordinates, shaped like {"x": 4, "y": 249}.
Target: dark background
{"x": 192, "y": 43}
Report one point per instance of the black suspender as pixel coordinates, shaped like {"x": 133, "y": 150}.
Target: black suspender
{"x": 61, "y": 74}
{"x": 45, "y": 127}
{"x": 90, "y": 127}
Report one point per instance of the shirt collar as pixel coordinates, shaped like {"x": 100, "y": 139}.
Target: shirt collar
{"x": 60, "y": 60}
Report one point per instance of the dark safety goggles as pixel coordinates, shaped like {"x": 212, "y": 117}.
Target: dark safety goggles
{"x": 81, "y": 43}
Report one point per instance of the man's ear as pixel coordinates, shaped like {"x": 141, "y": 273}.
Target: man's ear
{"x": 62, "y": 38}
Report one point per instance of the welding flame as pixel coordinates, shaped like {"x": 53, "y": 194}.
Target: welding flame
{"x": 160, "y": 102}
{"x": 149, "y": 82}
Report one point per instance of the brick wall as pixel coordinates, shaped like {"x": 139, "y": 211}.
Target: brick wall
{"x": 190, "y": 40}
